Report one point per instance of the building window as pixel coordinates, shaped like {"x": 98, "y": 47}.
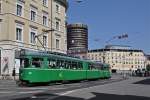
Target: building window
{"x": 33, "y": 14}
{"x": 33, "y": 33}
{"x": 45, "y": 3}
{"x": 57, "y": 8}
{"x": 32, "y": 37}
{"x": 19, "y": 33}
{"x": 34, "y": 0}
{"x": 19, "y": 9}
{"x": 45, "y": 19}
{"x": 45, "y": 40}
{"x": 57, "y": 24}
{"x": 57, "y": 44}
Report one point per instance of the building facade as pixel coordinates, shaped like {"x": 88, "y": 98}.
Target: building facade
{"x": 77, "y": 39}
{"x": 22, "y": 20}
{"x": 119, "y": 57}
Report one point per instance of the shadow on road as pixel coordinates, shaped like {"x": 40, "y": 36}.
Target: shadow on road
{"x": 145, "y": 82}
{"x": 117, "y": 97}
{"x": 98, "y": 96}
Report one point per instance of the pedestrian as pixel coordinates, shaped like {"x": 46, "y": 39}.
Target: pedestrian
{"x": 14, "y": 73}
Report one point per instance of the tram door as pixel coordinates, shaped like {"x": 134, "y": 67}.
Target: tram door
{"x": 17, "y": 65}
{"x": 17, "y": 61}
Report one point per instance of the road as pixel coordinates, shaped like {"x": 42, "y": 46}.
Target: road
{"x": 116, "y": 88}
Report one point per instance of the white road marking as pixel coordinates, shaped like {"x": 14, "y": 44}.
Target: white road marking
{"x": 33, "y": 97}
{"x": 56, "y": 88}
{"x": 67, "y": 92}
{"x": 34, "y": 88}
{"x": 30, "y": 92}
{"x": 5, "y": 92}
{"x": 49, "y": 88}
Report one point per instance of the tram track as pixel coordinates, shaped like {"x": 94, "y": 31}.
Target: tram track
{"x": 86, "y": 84}
{"x": 52, "y": 91}
{"x": 71, "y": 88}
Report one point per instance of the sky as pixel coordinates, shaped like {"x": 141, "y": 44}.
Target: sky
{"x": 109, "y": 18}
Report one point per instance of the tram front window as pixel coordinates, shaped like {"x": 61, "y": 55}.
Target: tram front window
{"x": 24, "y": 63}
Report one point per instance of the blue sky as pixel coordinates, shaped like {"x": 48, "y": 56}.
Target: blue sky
{"x": 109, "y": 18}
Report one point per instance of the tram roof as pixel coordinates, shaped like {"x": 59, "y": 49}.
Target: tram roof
{"x": 51, "y": 54}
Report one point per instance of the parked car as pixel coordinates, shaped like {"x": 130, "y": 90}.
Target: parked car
{"x": 142, "y": 73}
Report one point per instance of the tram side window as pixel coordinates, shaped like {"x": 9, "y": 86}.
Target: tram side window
{"x": 74, "y": 65}
{"x": 91, "y": 67}
{"x": 97, "y": 66}
{"x": 66, "y": 64}
{"x": 105, "y": 67}
{"x": 69, "y": 64}
{"x": 80, "y": 66}
{"x": 37, "y": 62}
{"x": 60, "y": 64}
{"x": 52, "y": 63}
{"x": 101, "y": 66}
{"x": 63, "y": 64}
{"x": 25, "y": 63}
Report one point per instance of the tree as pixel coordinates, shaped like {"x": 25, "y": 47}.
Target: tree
{"x": 148, "y": 67}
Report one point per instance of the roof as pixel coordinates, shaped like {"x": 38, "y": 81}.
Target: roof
{"x": 51, "y": 54}
{"x": 118, "y": 50}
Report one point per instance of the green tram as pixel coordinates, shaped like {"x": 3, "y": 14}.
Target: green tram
{"x": 44, "y": 67}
